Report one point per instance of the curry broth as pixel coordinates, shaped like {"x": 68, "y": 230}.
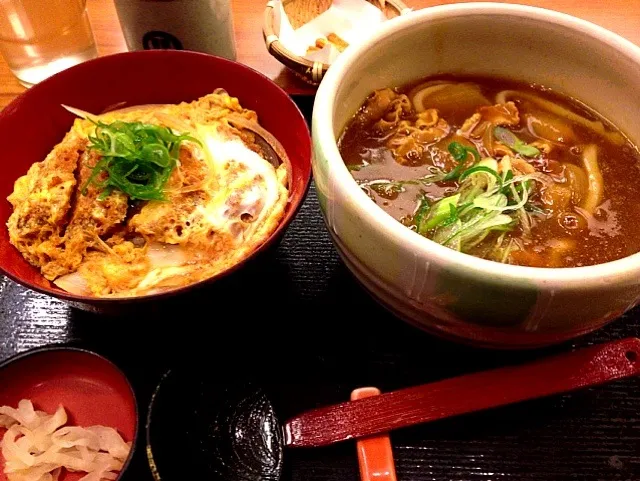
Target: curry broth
{"x": 569, "y": 238}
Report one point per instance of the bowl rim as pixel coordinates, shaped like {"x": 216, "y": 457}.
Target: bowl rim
{"x": 279, "y": 231}
{"x": 324, "y": 142}
{"x": 61, "y": 347}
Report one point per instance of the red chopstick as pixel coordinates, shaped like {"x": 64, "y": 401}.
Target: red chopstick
{"x": 474, "y": 392}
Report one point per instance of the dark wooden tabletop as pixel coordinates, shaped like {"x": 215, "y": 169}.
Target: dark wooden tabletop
{"x": 311, "y": 329}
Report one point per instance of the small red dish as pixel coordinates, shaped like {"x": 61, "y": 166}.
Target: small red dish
{"x": 92, "y": 390}
{"x": 35, "y": 122}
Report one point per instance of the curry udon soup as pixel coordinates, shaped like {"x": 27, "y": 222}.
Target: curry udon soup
{"x": 499, "y": 170}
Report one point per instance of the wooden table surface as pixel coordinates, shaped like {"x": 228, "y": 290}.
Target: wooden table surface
{"x": 620, "y": 16}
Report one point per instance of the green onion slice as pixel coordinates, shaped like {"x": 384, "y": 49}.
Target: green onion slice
{"x": 509, "y": 139}
{"x": 480, "y": 168}
{"x": 460, "y": 153}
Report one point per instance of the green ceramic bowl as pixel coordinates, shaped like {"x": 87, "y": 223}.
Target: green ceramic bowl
{"x": 431, "y": 286}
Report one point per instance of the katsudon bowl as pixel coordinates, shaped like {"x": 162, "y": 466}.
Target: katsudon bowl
{"x": 436, "y": 288}
{"x": 36, "y": 121}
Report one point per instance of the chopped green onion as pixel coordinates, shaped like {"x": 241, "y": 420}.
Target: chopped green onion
{"x": 460, "y": 153}
{"x": 420, "y": 215}
{"x": 446, "y": 235}
{"x": 137, "y": 158}
{"x": 453, "y": 216}
{"x": 509, "y": 139}
{"x": 480, "y": 168}
{"x": 517, "y": 190}
{"x": 526, "y": 150}
{"x": 442, "y": 213}
{"x": 390, "y": 186}
{"x": 476, "y": 230}
{"x": 494, "y": 203}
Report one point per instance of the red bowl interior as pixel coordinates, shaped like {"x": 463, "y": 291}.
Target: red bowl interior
{"x": 35, "y": 121}
{"x": 91, "y": 389}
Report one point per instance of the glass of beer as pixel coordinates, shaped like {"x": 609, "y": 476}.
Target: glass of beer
{"x": 39, "y": 38}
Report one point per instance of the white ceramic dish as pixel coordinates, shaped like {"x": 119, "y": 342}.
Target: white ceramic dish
{"x": 436, "y": 288}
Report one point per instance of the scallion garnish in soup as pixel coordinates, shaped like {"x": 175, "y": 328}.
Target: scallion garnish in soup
{"x": 500, "y": 170}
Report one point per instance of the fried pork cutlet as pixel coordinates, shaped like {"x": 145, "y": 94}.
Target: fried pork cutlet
{"x": 51, "y": 224}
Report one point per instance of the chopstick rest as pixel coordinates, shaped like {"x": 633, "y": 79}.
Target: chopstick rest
{"x": 375, "y": 456}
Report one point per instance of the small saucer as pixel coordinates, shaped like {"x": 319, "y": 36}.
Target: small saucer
{"x": 92, "y": 390}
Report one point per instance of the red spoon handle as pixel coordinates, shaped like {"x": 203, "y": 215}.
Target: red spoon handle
{"x": 474, "y": 392}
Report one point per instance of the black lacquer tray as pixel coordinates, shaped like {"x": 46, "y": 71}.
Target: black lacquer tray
{"x": 317, "y": 335}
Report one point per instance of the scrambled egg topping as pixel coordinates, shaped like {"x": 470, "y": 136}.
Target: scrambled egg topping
{"x": 223, "y": 200}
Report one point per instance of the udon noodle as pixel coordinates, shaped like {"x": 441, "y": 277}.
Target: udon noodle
{"x": 499, "y": 170}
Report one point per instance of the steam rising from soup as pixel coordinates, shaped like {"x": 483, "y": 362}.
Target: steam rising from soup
{"x": 500, "y": 170}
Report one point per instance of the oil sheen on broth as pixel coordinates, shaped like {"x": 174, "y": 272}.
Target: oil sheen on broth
{"x": 498, "y": 169}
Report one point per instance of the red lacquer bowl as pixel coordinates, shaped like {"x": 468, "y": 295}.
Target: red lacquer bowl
{"x": 92, "y": 390}
{"x": 35, "y": 121}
